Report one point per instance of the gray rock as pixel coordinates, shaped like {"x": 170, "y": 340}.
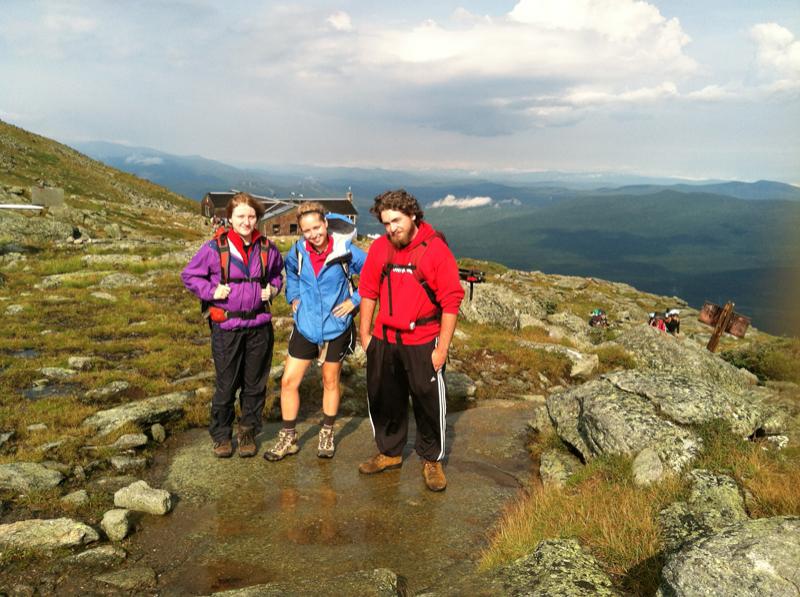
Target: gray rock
{"x": 130, "y": 441}
{"x": 583, "y": 365}
{"x": 57, "y": 372}
{"x": 369, "y": 583}
{"x": 556, "y": 467}
{"x": 141, "y": 497}
{"x": 714, "y": 502}
{"x": 126, "y": 464}
{"x": 104, "y": 296}
{"x": 37, "y": 427}
{"x": 540, "y": 420}
{"x": 112, "y": 484}
{"x": 647, "y": 467}
{"x": 103, "y": 556}
{"x": 158, "y": 433}
{"x": 598, "y": 418}
{"x": 28, "y": 476}
{"x": 493, "y": 304}
{"x": 81, "y": 363}
{"x": 120, "y": 280}
{"x": 130, "y": 579}
{"x": 14, "y": 309}
{"x": 753, "y": 557}
{"x": 116, "y": 524}
{"x": 46, "y": 534}
{"x": 142, "y": 412}
{"x": 108, "y": 391}
{"x": 459, "y": 387}
{"x": 557, "y": 567}
{"x": 5, "y": 437}
{"x": 113, "y": 259}
{"x": 76, "y": 499}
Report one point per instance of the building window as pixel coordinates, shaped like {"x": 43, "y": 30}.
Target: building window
{"x": 276, "y": 229}
{"x": 292, "y": 228}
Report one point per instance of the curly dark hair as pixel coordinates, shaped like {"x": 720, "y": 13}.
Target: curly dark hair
{"x": 399, "y": 200}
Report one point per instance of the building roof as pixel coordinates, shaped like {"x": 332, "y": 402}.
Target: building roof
{"x": 339, "y": 205}
{"x": 274, "y": 206}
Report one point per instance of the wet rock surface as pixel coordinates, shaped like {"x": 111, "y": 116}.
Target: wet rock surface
{"x": 556, "y": 567}
{"x": 751, "y": 558}
{"x": 366, "y": 583}
{"x": 239, "y": 522}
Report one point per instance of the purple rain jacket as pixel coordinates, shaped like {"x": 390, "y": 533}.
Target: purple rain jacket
{"x": 203, "y": 274}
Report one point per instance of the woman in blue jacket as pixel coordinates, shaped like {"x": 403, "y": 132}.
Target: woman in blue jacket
{"x": 319, "y": 288}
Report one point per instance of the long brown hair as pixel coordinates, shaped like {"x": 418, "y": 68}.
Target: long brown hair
{"x": 399, "y": 200}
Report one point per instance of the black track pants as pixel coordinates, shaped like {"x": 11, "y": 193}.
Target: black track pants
{"x": 395, "y": 371}
{"x": 242, "y": 359}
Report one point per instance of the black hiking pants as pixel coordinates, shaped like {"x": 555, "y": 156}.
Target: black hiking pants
{"x": 395, "y": 372}
{"x": 242, "y": 359}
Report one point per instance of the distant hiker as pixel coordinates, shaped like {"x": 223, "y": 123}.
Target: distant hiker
{"x": 598, "y": 319}
{"x": 656, "y": 320}
{"x": 319, "y": 288}
{"x": 238, "y": 273}
{"x": 412, "y": 273}
{"x": 673, "y": 322}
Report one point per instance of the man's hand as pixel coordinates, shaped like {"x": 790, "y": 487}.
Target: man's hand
{"x": 221, "y": 292}
{"x": 295, "y": 305}
{"x": 439, "y": 357}
{"x": 268, "y": 293}
{"x": 365, "y": 340}
{"x": 344, "y": 308}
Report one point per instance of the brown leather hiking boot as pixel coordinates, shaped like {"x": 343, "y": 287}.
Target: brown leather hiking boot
{"x": 379, "y": 463}
{"x": 247, "y": 442}
{"x": 434, "y": 475}
{"x": 223, "y": 449}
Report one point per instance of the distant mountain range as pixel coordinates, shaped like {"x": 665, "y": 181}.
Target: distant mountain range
{"x": 717, "y": 240}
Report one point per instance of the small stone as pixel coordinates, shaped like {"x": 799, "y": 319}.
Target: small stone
{"x": 81, "y": 363}
{"x": 125, "y": 464}
{"x": 57, "y": 372}
{"x": 647, "y": 467}
{"x": 76, "y": 499}
{"x": 158, "y": 433}
{"x": 141, "y": 497}
{"x": 556, "y": 467}
{"x": 105, "y": 555}
{"x": 778, "y": 441}
{"x": 130, "y": 441}
{"x": 104, "y": 296}
{"x": 5, "y": 437}
{"x": 130, "y": 579}
{"x": 14, "y": 309}
{"x": 116, "y": 524}
{"x": 112, "y": 389}
{"x": 78, "y": 473}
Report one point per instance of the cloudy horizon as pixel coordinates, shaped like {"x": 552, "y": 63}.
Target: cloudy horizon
{"x": 654, "y": 88}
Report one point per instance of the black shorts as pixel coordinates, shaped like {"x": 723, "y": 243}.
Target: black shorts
{"x": 332, "y": 351}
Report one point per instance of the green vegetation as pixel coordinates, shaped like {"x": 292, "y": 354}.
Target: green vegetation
{"x": 777, "y": 360}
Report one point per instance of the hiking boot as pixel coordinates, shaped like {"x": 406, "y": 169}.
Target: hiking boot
{"x": 247, "y": 442}
{"x": 285, "y": 446}
{"x": 433, "y": 473}
{"x": 325, "y": 448}
{"x": 379, "y": 463}
{"x": 223, "y": 449}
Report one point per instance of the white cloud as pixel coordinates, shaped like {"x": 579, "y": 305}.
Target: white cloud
{"x": 711, "y": 93}
{"x": 777, "y": 52}
{"x": 69, "y": 24}
{"x": 141, "y": 160}
{"x": 340, "y": 21}
{"x": 465, "y": 203}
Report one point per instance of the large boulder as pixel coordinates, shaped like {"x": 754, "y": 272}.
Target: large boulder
{"x": 28, "y": 476}
{"x": 142, "y": 413}
{"x": 557, "y": 567}
{"x": 494, "y": 304}
{"x": 43, "y": 535}
{"x": 754, "y": 557}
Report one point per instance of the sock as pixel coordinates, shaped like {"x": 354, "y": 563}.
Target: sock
{"x": 328, "y": 420}
{"x": 290, "y": 426}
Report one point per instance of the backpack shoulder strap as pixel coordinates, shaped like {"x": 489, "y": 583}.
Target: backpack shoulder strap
{"x": 224, "y": 251}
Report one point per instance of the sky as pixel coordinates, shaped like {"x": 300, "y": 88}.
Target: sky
{"x": 681, "y": 88}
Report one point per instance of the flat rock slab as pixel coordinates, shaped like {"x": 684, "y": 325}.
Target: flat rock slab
{"x": 142, "y": 412}
{"x": 46, "y": 534}
{"x": 241, "y": 522}
{"x": 140, "y": 577}
{"x": 28, "y": 476}
{"x": 365, "y": 583}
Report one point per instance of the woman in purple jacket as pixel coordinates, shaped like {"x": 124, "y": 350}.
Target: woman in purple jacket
{"x": 240, "y": 318}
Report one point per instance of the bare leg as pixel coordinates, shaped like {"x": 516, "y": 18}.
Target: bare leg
{"x": 330, "y": 388}
{"x": 293, "y": 371}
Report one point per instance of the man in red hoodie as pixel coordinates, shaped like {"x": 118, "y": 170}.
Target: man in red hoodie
{"x": 413, "y": 275}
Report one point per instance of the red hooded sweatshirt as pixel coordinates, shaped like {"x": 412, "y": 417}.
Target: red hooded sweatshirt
{"x": 409, "y": 301}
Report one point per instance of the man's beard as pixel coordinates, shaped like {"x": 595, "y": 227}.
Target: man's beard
{"x": 399, "y": 243}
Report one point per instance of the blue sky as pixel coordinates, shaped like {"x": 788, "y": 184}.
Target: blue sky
{"x": 705, "y": 89}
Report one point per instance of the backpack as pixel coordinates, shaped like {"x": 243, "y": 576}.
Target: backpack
{"x": 417, "y": 253}
{"x": 217, "y": 314}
